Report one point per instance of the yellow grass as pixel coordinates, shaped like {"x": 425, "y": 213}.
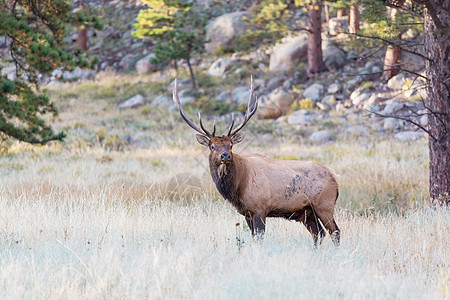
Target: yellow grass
{"x": 87, "y": 221}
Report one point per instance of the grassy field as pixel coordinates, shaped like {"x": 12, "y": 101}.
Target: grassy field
{"x": 100, "y": 216}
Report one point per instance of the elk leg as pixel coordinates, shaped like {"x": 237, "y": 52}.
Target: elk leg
{"x": 259, "y": 224}
{"x": 250, "y": 224}
{"x": 311, "y": 222}
{"x": 330, "y": 224}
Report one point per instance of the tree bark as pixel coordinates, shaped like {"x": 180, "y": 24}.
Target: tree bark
{"x": 354, "y": 18}
{"x": 393, "y": 57}
{"x": 326, "y": 9}
{"x": 437, "y": 48}
{"x": 82, "y": 40}
{"x": 315, "y": 59}
{"x": 191, "y": 72}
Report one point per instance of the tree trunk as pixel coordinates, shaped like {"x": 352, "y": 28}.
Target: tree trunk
{"x": 340, "y": 13}
{"x": 437, "y": 48}
{"x": 354, "y": 18}
{"x": 315, "y": 60}
{"x": 191, "y": 72}
{"x": 393, "y": 57}
{"x": 326, "y": 9}
{"x": 82, "y": 40}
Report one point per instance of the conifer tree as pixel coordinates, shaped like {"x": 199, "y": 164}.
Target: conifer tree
{"x": 177, "y": 27}
{"x": 35, "y": 32}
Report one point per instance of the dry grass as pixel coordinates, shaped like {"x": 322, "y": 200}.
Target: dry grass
{"x": 83, "y": 220}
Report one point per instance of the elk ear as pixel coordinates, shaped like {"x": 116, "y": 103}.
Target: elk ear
{"x": 237, "y": 138}
{"x": 202, "y": 139}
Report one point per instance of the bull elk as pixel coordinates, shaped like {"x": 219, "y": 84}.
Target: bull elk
{"x": 259, "y": 187}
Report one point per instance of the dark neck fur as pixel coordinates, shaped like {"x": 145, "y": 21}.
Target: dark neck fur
{"x": 227, "y": 183}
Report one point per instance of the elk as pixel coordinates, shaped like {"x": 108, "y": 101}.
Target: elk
{"x": 259, "y": 187}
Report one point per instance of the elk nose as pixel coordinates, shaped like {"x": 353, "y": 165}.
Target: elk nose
{"x": 225, "y": 157}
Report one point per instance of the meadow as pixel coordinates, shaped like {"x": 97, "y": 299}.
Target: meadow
{"x": 125, "y": 208}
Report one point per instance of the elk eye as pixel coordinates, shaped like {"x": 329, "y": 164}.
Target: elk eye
{"x": 212, "y": 147}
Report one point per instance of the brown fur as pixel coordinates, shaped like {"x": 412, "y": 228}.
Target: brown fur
{"x": 259, "y": 187}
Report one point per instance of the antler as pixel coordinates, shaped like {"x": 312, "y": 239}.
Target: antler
{"x": 248, "y": 114}
{"x": 202, "y": 131}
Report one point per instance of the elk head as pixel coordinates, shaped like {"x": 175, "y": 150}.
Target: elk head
{"x": 220, "y": 146}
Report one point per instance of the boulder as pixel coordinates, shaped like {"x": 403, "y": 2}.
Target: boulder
{"x": 163, "y": 100}
{"x": 329, "y": 100}
{"x": 333, "y": 88}
{"x": 357, "y": 130}
{"x": 404, "y": 136}
{"x": 391, "y": 124}
{"x": 333, "y": 57}
{"x": 361, "y": 99}
{"x": 275, "y": 104}
{"x": 287, "y": 55}
{"x": 240, "y": 94}
{"x": 313, "y": 91}
{"x": 392, "y": 107}
{"x": 144, "y": 66}
{"x": 127, "y": 62}
{"x": 223, "y": 30}
{"x": 275, "y": 82}
{"x": 320, "y": 136}
{"x": 300, "y": 117}
{"x": 222, "y": 65}
{"x": 223, "y": 96}
{"x": 10, "y": 72}
{"x": 135, "y": 101}
{"x": 397, "y": 82}
{"x": 338, "y": 25}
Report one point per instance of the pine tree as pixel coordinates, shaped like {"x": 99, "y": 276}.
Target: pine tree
{"x": 177, "y": 27}
{"x": 436, "y": 41}
{"x": 35, "y": 31}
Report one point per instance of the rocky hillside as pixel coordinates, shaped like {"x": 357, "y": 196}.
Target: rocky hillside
{"x": 349, "y": 89}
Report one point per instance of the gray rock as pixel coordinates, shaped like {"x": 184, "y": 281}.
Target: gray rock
{"x": 222, "y": 65}
{"x": 300, "y": 117}
{"x": 275, "y": 82}
{"x": 340, "y": 108}
{"x": 144, "y": 66}
{"x": 241, "y": 94}
{"x": 223, "y": 96}
{"x": 10, "y": 72}
{"x": 390, "y": 124}
{"x": 376, "y": 69}
{"x": 287, "y": 55}
{"x": 357, "y": 130}
{"x": 333, "y": 88}
{"x": 314, "y": 91}
{"x": 288, "y": 83}
{"x": 371, "y": 107}
{"x": 418, "y": 88}
{"x": 135, "y": 101}
{"x": 361, "y": 98}
{"x": 333, "y": 57}
{"x": 358, "y": 92}
{"x": 223, "y": 30}
{"x": 392, "y": 107}
{"x": 338, "y": 25}
{"x": 321, "y": 136}
{"x": 330, "y": 100}
{"x": 352, "y": 82}
{"x": 163, "y": 100}
{"x": 186, "y": 96}
{"x": 127, "y": 62}
{"x": 424, "y": 121}
{"x": 404, "y": 136}
{"x": 322, "y": 106}
{"x": 275, "y": 104}
{"x": 397, "y": 82}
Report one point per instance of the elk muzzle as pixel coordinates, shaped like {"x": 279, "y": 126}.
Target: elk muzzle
{"x": 225, "y": 158}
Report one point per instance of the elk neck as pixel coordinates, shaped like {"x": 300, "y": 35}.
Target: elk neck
{"x": 229, "y": 179}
